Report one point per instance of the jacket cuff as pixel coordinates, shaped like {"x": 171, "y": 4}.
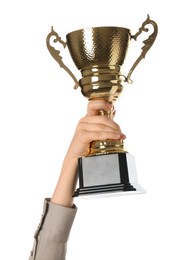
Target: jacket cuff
{"x": 56, "y": 222}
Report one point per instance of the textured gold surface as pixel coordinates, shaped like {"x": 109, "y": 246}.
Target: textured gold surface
{"x": 98, "y": 46}
{"x": 99, "y": 53}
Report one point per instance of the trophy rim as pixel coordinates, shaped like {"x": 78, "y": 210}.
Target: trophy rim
{"x": 98, "y": 27}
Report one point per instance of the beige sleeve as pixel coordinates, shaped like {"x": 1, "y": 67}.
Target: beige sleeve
{"x": 52, "y": 234}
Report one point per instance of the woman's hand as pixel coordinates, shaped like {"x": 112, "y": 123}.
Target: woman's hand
{"x": 93, "y": 127}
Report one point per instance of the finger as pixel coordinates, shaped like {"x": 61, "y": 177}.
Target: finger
{"x": 98, "y": 127}
{"x": 89, "y": 136}
{"x": 101, "y": 120}
{"x": 95, "y": 105}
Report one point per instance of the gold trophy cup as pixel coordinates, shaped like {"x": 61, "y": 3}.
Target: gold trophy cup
{"x": 99, "y": 53}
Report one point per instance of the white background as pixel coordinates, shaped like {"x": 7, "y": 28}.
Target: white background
{"x": 39, "y": 110}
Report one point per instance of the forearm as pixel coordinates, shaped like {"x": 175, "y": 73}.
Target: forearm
{"x": 66, "y": 184}
{"x": 52, "y": 234}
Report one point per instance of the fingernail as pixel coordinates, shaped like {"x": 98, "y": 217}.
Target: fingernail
{"x": 123, "y": 136}
{"x": 110, "y": 105}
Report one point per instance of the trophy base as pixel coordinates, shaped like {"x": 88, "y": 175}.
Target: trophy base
{"x": 107, "y": 175}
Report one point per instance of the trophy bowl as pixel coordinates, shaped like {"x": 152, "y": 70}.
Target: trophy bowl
{"x": 98, "y": 53}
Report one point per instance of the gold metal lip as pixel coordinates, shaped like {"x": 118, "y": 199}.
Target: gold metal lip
{"x": 100, "y": 69}
{"x": 99, "y": 28}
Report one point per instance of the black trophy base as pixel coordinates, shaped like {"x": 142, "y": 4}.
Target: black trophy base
{"x": 107, "y": 174}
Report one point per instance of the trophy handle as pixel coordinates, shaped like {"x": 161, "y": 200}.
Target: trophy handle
{"x": 148, "y": 43}
{"x": 55, "y": 54}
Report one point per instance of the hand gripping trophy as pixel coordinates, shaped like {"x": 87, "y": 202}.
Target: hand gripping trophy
{"x": 99, "y": 53}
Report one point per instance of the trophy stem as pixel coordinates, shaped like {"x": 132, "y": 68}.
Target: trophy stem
{"x": 106, "y": 146}
{"x": 103, "y": 82}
